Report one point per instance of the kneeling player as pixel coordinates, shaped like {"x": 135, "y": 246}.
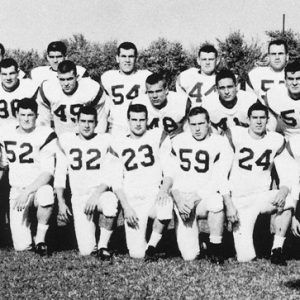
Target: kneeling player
{"x": 201, "y": 165}
{"x": 255, "y": 152}
{"x": 28, "y": 151}
{"x": 141, "y": 155}
{"x": 85, "y": 156}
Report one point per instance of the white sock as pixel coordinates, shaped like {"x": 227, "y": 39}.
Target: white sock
{"x": 154, "y": 239}
{"x": 215, "y": 239}
{"x": 278, "y": 241}
{"x": 41, "y": 233}
{"x": 105, "y": 235}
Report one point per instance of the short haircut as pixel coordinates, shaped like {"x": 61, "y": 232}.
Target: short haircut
{"x": 156, "y": 78}
{"x": 28, "y": 103}
{"x": 258, "y": 106}
{"x": 8, "y": 62}
{"x": 225, "y": 73}
{"x": 57, "y": 46}
{"x": 127, "y": 46}
{"x": 2, "y": 49}
{"x": 198, "y": 110}
{"x": 279, "y": 42}
{"x": 137, "y": 108}
{"x": 292, "y": 67}
{"x": 88, "y": 110}
{"x": 208, "y": 49}
{"x": 66, "y": 66}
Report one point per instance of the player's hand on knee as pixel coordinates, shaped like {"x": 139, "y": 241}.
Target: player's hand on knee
{"x": 279, "y": 200}
{"x": 91, "y": 205}
{"x": 22, "y": 200}
{"x": 64, "y": 213}
{"x": 131, "y": 217}
{"x": 295, "y": 227}
{"x": 231, "y": 215}
{"x": 162, "y": 198}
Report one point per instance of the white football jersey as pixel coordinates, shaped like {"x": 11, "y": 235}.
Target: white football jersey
{"x": 261, "y": 79}
{"x": 171, "y": 117}
{"x": 286, "y": 109}
{"x": 251, "y": 169}
{"x": 9, "y": 100}
{"x": 85, "y": 161}
{"x": 223, "y": 118}
{"x": 63, "y": 109}
{"x": 28, "y": 154}
{"x": 121, "y": 89}
{"x": 142, "y": 160}
{"x": 42, "y": 73}
{"x": 196, "y": 85}
{"x": 201, "y": 165}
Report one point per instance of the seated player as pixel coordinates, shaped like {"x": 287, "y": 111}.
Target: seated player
{"x": 122, "y": 86}
{"x": 261, "y": 79}
{"x": 198, "y": 83}
{"x": 12, "y": 89}
{"x": 200, "y": 166}
{"x": 56, "y": 53}
{"x": 61, "y": 100}
{"x": 283, "y": 101}
{"x": 141, "y": 157}
{"x": 166, "y": 110}
{"x": 229, "y": 106}
{"x": 28, "y": 151}
{"x": 84, "y": 156}
{"x": 255, "y": 152}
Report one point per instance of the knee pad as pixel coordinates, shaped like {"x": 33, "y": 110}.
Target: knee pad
{"x": 44, "y": 196}
{"x": 109, "y": 204}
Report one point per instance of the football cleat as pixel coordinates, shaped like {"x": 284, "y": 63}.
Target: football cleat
{"x": 216, "y": 254}
{"x": 41, "y": 249}
{"x": 277, "y": 257}
{"x": 150, "y": 254}
{"x": 104, "y": 254}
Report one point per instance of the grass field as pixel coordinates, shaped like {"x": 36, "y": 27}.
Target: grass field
{"x": 67, "y": 275}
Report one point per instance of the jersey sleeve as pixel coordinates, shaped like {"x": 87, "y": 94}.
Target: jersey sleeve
{"x": 44, "y": 108}
{"x": 61, "y": 168}
{"x": 47, "y": 153}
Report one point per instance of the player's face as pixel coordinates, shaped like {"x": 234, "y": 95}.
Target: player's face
{"x": 137, "y": 123}
{"x": 68, "y": 82}
{"x": 26, "y": 119}
{"x": 258, "y": 122}
{"x": 126, "y": 60}
{"x": 54, "y": 58}
{"x": 207, "y": 62}
{"x": 278, "y": 57}
{"x": 157, "y": 93}
{"x": 199, "y": 126}
{"x": 9, "y": 77}
{"x": 86, "y": 125}
{"x": 293, "y": 82}
{"x": 227, "y": 89}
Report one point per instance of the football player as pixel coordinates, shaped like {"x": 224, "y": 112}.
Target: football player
{"x": 122, "y": 86}
{"x": 261, "y": 79}
{"x": 166, "y": 109}
{"x": 284, "y": 101}
{"x": 200, "y": 188}
{"x": 198, "y": 83}
{"x": 229, "y": 106}
{"x": 256, "y": 149}
{"x": 28, "y": 151}
{"x": 12, "y": 89}
{"x": 84, "y": 156}
{"x": 56, "y": 53}
{"x": 142, "y": 155}
{"x": 61, "y": 100}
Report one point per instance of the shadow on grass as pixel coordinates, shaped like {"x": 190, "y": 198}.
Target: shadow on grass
{"x": 293, "y": 284}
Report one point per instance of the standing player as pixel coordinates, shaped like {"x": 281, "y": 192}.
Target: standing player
{"x": 56, "y": 53}
{"x": 83, "y": 156}
{"x": 199, "y": 83}
{"x": 61, "y": 100}
{"x": 12, "y": 89}
{"x": 200, "y": 170}
{"x": 166, "y": 110}
{"x": 122, "y": 86}
{"x": 255, "y": 152}
{"x": 284, "y": 101}
{"x": 229, "y": 107}
{"x": 141, "y": 156}
{"x": 28, "y": 151}
{"x": 261, "y": 79}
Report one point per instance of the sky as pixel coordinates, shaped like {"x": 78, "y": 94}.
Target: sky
{"x": 29, "y": 24}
